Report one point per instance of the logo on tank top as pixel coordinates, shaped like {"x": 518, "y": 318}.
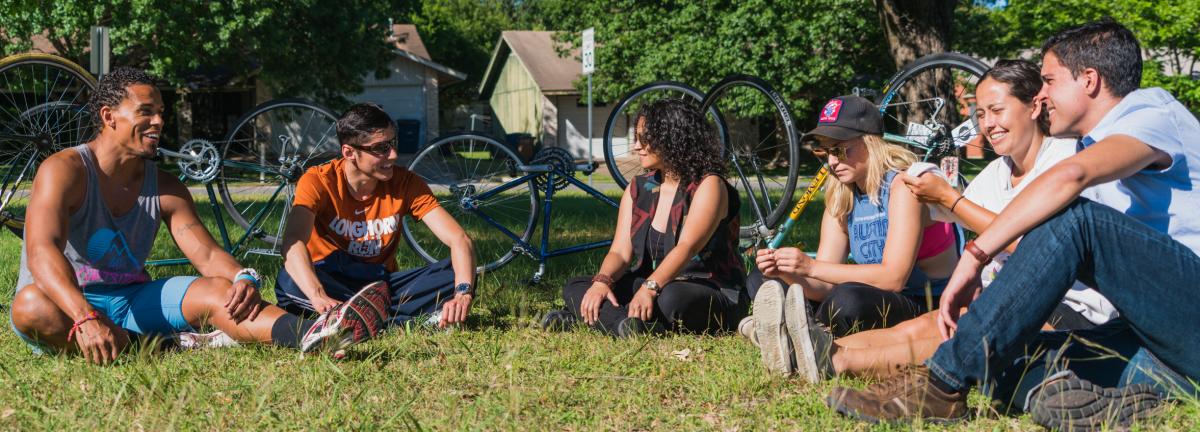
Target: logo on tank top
{"x": 110, "y": 260}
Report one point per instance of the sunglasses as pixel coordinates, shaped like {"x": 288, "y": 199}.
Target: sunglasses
{"x": 380, "y": 149}
{"x": 824, "y": 152}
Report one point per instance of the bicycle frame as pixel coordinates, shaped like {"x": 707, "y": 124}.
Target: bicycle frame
{"x": 226, "y": 240}
{"x": 543, "y": 252}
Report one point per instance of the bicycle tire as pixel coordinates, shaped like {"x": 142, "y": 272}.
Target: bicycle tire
{"x": 618, "y": 161}
{"x": 895, "y": 119}
{"x": 306, "y": 126}
{"x": 442, "y": 165}
{"x": 754, "y": 192}
{"x": 52, "y": 123}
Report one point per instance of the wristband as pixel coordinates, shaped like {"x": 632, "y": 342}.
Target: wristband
{"x": 604, "y": 279}
{"x": 979, "y": 254}
{"x": 952, "y": 206}
{"x": 93, "y": 315}
{"x": 248, "y": 274}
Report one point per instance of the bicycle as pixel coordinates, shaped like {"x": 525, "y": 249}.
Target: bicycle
{"x": 487, "y": 187}
{"x": 43, "y": 111}
{"x": 757, "y": 134}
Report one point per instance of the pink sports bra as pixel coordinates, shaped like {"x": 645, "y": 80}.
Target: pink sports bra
{"x": 935, "y": 239}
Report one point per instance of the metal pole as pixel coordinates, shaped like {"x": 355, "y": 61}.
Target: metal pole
{"x": 591, "y": 159}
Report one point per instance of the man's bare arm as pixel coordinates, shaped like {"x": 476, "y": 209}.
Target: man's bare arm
{"x": 58, "y": 189}
{"x": 1112, "y": 158}
{"x": 190, "y": 235}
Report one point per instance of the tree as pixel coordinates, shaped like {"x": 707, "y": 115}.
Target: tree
{"x": 916, "y": 28}
{"x": 807, "y": 50}
{"x": 316, "y": 48}
{"x": 1167, "y": 31}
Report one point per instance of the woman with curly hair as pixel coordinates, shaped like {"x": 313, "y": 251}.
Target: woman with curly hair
{"x": 902, "y": 257}
{"x": 666, "y": 270}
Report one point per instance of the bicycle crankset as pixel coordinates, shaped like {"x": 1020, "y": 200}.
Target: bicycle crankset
{"x": 562, "y": 162}
{"x": 199, "y": 160}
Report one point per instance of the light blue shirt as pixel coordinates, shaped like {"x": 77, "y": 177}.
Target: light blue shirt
{"x": 1169, "y": 199}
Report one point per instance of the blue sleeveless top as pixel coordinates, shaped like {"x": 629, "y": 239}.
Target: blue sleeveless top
{"x": 868, "y": 228}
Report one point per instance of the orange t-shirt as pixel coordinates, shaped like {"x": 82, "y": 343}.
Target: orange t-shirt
{"x": 367, "y": 230}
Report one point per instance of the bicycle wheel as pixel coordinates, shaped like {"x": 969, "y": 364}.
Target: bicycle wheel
{"x": 42, "y": 111}
{"x": 474, "y": 178}
{"x": 622, "y": 163}
{"x": 264, "y": 155}
{"x": 762, "y": 146}
{"x": 929, "y": 104}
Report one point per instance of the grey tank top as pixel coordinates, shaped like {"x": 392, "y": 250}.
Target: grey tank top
{"x": 103, "y": 249}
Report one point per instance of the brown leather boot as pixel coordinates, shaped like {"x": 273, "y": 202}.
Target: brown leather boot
{"x": 905, "y": 396}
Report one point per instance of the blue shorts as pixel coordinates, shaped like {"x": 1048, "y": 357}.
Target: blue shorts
{"x": 146, "y": 309}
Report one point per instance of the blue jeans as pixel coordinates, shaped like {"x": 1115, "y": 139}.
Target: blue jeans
{"x": 1149, "y": 278}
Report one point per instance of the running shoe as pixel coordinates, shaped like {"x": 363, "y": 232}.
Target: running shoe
{"x": 360, "y": 318}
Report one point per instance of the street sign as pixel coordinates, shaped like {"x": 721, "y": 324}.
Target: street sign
{"x": 101, "y": 51}
{"x": 589, "y": 51}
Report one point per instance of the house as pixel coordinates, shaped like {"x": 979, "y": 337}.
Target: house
{"x": 410, "y": 94}
{"x": 531, "y": 90}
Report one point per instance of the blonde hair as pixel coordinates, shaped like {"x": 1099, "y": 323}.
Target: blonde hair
{"x": 881, "y": 158}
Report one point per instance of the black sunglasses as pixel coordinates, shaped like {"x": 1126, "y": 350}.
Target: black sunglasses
{"x": 380, "y": 149}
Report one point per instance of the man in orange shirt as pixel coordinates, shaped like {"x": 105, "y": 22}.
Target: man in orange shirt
{"x": 344, "y": 227}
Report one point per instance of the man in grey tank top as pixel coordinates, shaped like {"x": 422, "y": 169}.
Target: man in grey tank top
{"x": 93, "y": 214}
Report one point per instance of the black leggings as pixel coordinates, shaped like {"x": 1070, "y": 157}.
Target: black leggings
{"x": 853, "y": 307}
{"x": 693, "y": 306}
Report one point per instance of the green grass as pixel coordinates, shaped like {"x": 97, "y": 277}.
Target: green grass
{"x": 498, "y": 373}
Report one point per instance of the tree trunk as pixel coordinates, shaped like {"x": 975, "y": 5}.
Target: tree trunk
{"x": 916, "y": 28}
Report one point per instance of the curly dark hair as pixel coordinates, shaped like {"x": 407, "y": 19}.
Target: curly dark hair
{"x": 110, "y": 90}
{"x": 677, "y": 132}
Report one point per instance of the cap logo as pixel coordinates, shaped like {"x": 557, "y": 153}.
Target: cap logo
{"x": 830, "y": 113}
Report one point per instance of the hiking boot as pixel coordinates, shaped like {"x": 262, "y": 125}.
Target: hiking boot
{"x": 811, "y": 343}
{"x": 770, "y": 330}
{"x": 633, "y": 327}
{"x": 360, "y": 318}
{"x": 908, "y": 395}
{"x": 1075, "y": 404}
{"x": 213, "y": 339}
{"x": 746, "y": 329}
{"x": 559, "y": 320}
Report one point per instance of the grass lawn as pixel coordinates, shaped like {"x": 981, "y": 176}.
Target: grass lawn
{"x": 498, "y": 373}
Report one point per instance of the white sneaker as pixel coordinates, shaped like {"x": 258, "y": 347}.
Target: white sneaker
{"x": 770, "y": 330}
{"x": 746, "y": 328}
{"x": 213, "y": 339}
{"x": 795, "y": 314}
{"x": 360, "y": 318}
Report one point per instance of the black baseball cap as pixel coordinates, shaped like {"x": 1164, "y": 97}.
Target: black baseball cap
{"x": 845, "y": 118}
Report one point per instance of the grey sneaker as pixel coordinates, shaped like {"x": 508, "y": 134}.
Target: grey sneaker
{"x": 1075, "y": 404}
{"x": 360, "y": 318}
{"x": 811, "y": 343}
{"x": 746, "y": 329}
{"x": 213, "y": 339}
{"x": 769, "y": 328}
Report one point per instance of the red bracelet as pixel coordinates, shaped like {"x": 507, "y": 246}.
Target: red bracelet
{"x": 604, "y": 279}
{"x": 93, "y": 315}
{"x": 980, "y": 255}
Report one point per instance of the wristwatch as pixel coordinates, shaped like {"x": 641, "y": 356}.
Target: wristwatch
{"x": 651, "y": 285}
{"x": 463, "y": 288}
